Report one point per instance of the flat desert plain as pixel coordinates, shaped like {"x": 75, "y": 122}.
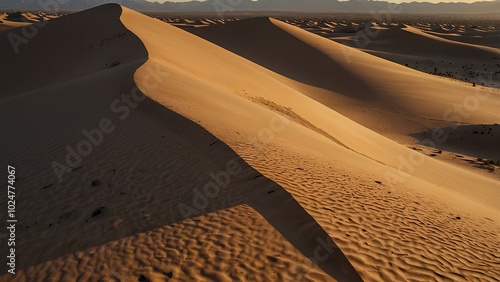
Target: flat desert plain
{"x": 248, "y": 149}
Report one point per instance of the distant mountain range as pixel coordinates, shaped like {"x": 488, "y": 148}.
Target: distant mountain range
{"x": 221, "y": 6}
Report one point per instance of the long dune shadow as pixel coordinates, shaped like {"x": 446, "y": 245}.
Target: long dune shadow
{"x": 477, "y": 140}
{"x": 16, "y": 17}
{"x": 153, "y": 161}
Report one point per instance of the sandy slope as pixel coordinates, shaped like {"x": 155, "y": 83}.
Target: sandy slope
{"x": 478, "y": 35}
{"x": 463, "y": 55}
{"x": 239, "y": 102}
{"x": 270, "y": 92}
{"x": 381, "y": 95}
{"x": 89, "y": 54}
{"x": 438, "y": 222}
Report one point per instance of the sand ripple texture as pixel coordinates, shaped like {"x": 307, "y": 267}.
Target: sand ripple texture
{"x": 387, "y": 234}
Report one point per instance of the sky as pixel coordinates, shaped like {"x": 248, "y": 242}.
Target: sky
{"x": 394, "y": 1}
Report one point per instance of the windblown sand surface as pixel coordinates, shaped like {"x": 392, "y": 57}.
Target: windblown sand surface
{"x": 255, "y": 143}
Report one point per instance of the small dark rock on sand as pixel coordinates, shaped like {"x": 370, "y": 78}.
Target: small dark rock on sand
{"x": 98, "y": 211}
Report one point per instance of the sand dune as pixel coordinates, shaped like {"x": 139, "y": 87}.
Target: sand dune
{"x": 360, "y": 86}
{"x": 404, "y": 40}
{"x": 212, "y": 87}
{"x": 7, "y": 22}
{"x": 270, "y": 91}
{"x": 95, "y": 49}
{"x": 147, "y": 163}
{"x": 458, "y": 54}
{"x": 486, "y": 35}
{"x": 295, "y": 155}
{"x": 18, "y": 19}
